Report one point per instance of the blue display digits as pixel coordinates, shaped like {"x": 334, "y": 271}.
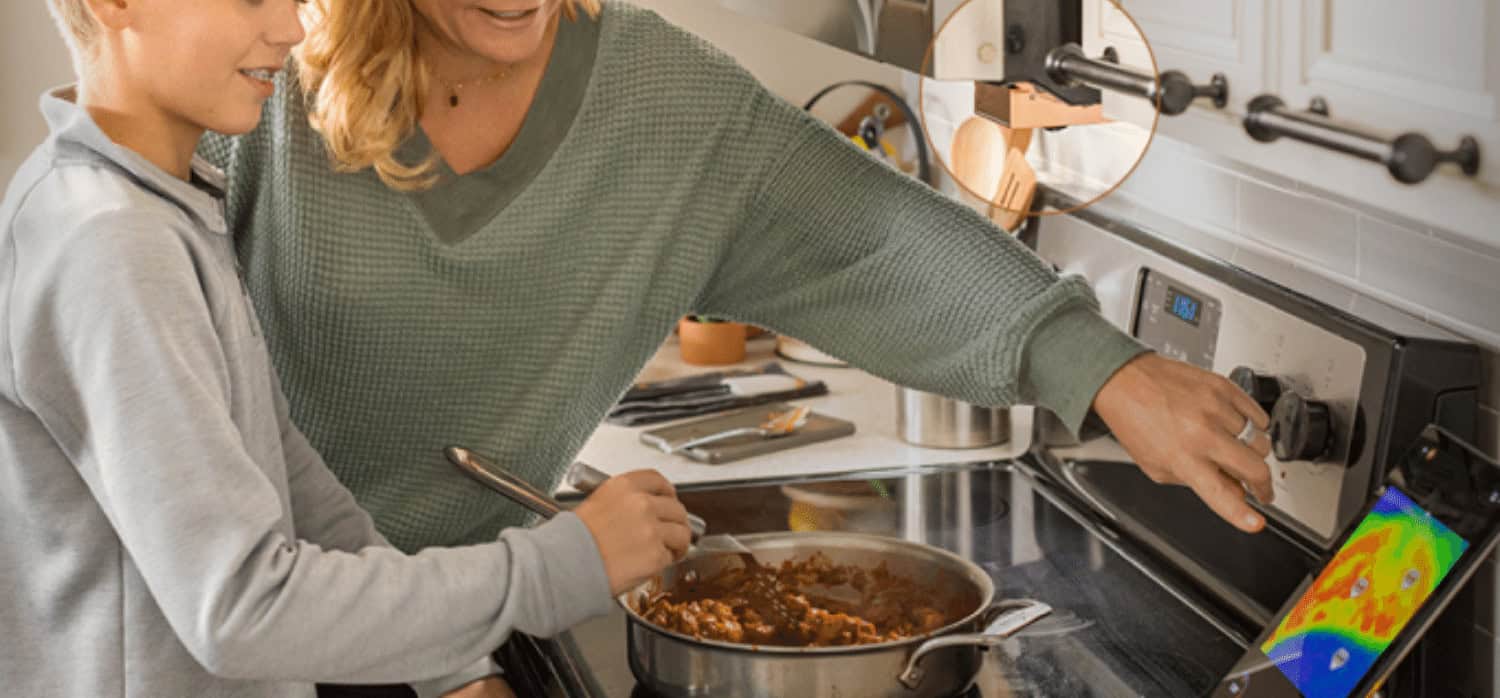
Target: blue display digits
{"x": 1182, "y": 305}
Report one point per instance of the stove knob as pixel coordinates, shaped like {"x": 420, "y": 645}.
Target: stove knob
{"x": 1301, "y": 429}
{"x": 1261, "y": 388}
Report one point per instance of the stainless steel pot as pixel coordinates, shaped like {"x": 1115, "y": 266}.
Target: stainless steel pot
{"x": 943, "y": 664}
{"x": 934, "y": 421}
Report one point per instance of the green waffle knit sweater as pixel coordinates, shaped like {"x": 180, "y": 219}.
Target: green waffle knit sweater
{"x": 507, "y": 309}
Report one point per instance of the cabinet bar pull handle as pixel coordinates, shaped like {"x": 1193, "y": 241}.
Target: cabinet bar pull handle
{"x": 1173, "y": 93}
{"x": 1410, "y": 157}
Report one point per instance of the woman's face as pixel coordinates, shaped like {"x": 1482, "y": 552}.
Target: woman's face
{"x": 502, "y": 31}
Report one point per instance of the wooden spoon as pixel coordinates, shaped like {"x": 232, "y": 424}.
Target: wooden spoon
{"x": 990, "y": 160}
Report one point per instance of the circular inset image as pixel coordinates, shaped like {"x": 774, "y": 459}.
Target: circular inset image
{"x": 1005, "y": 110}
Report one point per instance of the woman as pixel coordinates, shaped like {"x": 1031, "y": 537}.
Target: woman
{"x": 524, "y": 195}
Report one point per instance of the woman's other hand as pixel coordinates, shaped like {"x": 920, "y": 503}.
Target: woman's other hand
{"x": 638, "y": 524}
{"x": 1180, "y": 424}
{"x": 487, "y": 687}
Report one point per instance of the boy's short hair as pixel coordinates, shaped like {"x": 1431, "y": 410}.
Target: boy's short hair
{"x": 77, "y": 26}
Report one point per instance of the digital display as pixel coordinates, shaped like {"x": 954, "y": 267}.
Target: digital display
{"x": 1357, "y": 606}
{"x": 1182, "y": 305}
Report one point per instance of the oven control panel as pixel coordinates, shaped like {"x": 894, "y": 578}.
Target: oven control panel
{"x": 1306, "y": 377}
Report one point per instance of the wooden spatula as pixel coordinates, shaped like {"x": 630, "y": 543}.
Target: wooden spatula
{"x": 1017, "y": 188}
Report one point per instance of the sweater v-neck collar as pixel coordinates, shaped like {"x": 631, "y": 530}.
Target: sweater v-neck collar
{"x": 458, "y": 206}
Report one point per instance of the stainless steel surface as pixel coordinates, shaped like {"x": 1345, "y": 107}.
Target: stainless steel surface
{"x": 1318, "y": 498}
{"x": 934, "y": 421}
{"x": 518, "y": 490}
{"x": 1014, "y": 615}
{"x": 678, "y": 666}
{"x": 1115, "y": 632}
{"x": 584, "y": 477}
{"x": 1370, "y": 378}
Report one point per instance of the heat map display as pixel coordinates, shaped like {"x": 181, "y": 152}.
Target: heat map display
{"x": 1396, "y": 558}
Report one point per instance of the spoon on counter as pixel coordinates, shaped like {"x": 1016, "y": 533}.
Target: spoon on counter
{"x": 585, "y": 479}
{"x": 776, "y": 425}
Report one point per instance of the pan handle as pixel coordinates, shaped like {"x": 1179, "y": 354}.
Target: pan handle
{"x": 1014, "y": 615}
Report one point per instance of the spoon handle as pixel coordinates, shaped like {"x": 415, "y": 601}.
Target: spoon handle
{"x": 712, "y": 438}
{"x": 518, "y": 490}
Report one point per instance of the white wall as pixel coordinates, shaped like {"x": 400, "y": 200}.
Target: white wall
{"x": 34, "y": 59}
{"x": 791, "y": 65}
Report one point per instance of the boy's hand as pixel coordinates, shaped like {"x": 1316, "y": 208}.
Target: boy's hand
{"x": 487, "y": 687}
{"x": 639, "y": 526}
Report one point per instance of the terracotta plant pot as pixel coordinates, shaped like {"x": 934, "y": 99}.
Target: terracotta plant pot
{"x": 711, "y": 343}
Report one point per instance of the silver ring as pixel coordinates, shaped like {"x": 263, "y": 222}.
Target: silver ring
{"x": 1247, "y": 434}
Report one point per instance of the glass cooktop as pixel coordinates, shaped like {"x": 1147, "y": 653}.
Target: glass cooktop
{"x": 1115, "y": 630}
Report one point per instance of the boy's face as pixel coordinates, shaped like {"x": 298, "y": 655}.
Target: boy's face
{"x": 209, "y": 63}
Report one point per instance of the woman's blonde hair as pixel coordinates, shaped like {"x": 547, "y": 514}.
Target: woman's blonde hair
{"x": 364, "y": 83}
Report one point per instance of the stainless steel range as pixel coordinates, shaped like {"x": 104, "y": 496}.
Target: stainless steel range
{"x": 1154, "y": 596}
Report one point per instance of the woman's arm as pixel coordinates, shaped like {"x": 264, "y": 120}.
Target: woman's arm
{"x": 865, "y": 263}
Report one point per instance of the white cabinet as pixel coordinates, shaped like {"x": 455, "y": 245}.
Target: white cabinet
{"x": 1398, "y": 65}
{"x": 967, "y": 44}
{"x": 1204, "y": 37}
{"x": 1392, "y": 66}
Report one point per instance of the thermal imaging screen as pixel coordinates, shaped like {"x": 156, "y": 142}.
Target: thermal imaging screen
{"x": 1385, "y": 571}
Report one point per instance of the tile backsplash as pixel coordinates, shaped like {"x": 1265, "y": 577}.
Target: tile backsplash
{"x": 1407, "y": 264}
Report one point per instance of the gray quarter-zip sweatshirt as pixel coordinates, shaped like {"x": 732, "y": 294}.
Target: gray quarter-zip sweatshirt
{"x": 164, "y": 529}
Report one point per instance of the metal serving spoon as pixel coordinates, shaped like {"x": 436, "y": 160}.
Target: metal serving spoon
{"x": 521, "y": 492}
{"x": 780, "y": 424}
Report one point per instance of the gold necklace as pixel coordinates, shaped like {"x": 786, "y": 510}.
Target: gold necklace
{"x": 454, "y": 87}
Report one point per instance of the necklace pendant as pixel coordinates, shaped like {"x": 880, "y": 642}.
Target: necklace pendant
{"x": 452, "y": 99}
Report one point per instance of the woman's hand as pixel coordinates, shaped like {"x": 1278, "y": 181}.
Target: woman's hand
{"x": 1180, "y": 424}
{"x": 638, "y": 524}
{"x": 487, "y": 687}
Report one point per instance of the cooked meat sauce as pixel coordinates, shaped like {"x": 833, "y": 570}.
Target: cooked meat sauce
{"x": 766, "y": 605}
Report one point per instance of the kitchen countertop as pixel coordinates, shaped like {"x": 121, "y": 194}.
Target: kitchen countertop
{"x": 854, "y": 395}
